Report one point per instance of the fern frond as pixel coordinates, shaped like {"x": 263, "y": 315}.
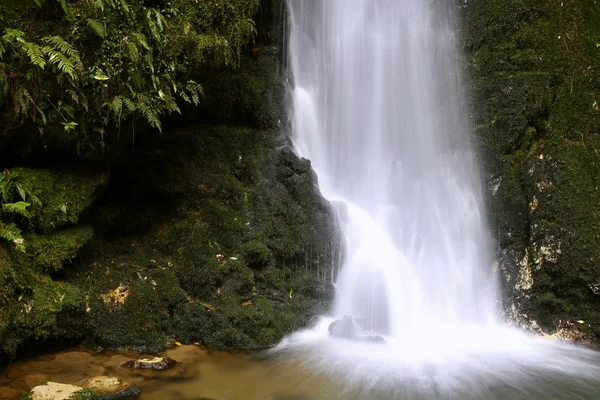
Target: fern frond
{"x": 35, "y": 54}
{"x": 42, "y": 114}
{"x": 17, "y": 208}
{"x": 62, "y": 62}
{"x": 154, "y": 29}
{"x": 63, "y": 5}
{"x": 124, "y": 5}
{"x": 73, "y": 95}
{"x": 61, "y": 45}
{"x": 97, "y": 26}
{"x": 150, "y": 114}
{"x": 195, "y": 90}
{"x": 141, "y": 38}
{"x": 129, "y": 104}
{"x": 161, "y": 21}
{"x": 133, "y": 52}
{"x": 11, "y": 233}
{"x": 116, "y": 106}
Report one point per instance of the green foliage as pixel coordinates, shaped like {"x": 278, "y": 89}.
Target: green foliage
{"x": 79, "y": 73}
{"x": 50, "y": 251}
{"x": 10, "y": 189}
{"x": 27, "y": 396}
{"x": 85, "y": 394}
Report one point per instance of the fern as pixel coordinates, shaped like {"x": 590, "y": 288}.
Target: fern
{"x": 124, "y": 6}
{"x": 35, "y": 54}
{"x": 133, "y": 52}
{"x": 141, "y": 38}
{"x": 63, "y": 5}
{"x": 17, "y": 208}
{"x": 97, "y": 26}
{"x": 62, "y": 62}
{"x": 13, "y": 234}
{"x": 129, "y": 104}
{"x": 61, "y": 45}
{"x": 195, "y": 91}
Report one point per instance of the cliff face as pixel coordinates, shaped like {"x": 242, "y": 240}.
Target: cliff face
{"x": 534, "y": 73}
{"x": 213, "y": 231}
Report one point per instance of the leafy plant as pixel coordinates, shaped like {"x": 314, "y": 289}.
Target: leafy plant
{"x": 79, "y": 71}
{"x": 11, "y": 189}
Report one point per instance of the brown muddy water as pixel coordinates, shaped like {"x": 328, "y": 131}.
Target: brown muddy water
{"x": 329, "y": 369}
{"x": 199, "y": 375}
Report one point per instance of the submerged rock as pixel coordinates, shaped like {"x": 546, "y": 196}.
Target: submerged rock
{"x": 60, "y": 391}
{"x": 343, "y": 328}
{"x": 111, "y": 387}
{"x": 372, "y": 339}
{"x": 155, "y": 363}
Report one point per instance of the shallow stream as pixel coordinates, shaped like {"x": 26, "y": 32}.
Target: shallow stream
{"x": 330, "y": 369}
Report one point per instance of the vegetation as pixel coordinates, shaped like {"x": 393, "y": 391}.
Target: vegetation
{"x": 77, "y": 70}
{"x": 13, "y": 202}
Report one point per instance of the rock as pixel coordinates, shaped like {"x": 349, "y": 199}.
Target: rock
{"x": 343, "y": 328}
{"x": 155, "y": 363}
{"x": 60, "y": 391}
{"x": 111, "y": 387}
{"x": 372, "y": 339}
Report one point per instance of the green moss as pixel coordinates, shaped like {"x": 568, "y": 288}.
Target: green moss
{"x": 64, "y": 195}
{"x": 253, "y": 95}
{"x": 33, "y": 313}
{"x": 129, "y": 301}
{"x": 85, "y": 394}
{"x": 257, "y": 253}
{"x": 49, "y": 252}
{"x": 533, "y": 68}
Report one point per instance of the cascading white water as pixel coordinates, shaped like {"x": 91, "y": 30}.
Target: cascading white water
{"x": 375, "y": 114}
{"x": 376, "y": 108}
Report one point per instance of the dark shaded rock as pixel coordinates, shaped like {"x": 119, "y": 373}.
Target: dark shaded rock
{"x": 343, "y": 328}
{"x": 155, "y": 363}
{"x": 111, "y": 387}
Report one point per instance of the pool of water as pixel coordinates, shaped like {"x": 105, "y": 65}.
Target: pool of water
{"x": 332, "y": 369}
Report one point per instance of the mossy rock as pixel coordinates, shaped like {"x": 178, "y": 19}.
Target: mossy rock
{"x": 252, "y": 95}
{"x": 64, "y": 194}
{"x": 534, "y": 92}
{"x": 48, "y": 252}
{"x": 38, "y": 310}
{"x": 129, "y": 300}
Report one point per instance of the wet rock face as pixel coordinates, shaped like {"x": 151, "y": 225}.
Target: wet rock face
{"x": 534, "y": 110}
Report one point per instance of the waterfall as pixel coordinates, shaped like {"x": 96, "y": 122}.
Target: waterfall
{"x": 377, "y": 111}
